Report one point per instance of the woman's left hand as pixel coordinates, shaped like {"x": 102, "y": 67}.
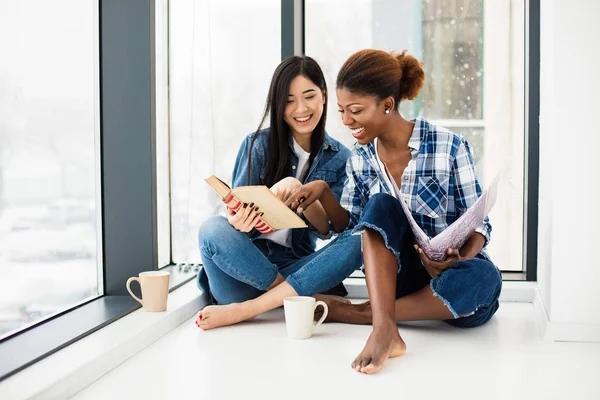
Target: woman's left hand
{"x": 436, "y": 268}
{"x": 305, "y": 195}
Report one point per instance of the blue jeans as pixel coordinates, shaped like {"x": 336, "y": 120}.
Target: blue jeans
{"x": 470, "y": 289}
{"x": 237, "y": 269}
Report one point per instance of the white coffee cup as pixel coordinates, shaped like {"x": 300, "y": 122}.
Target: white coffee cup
{"x": 299, "y": 316}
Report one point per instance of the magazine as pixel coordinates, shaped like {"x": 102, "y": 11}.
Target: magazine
{"x": 455, "y": 235}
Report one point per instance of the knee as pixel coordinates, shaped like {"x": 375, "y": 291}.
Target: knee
{"x": 382, "y": 201}
{"x": 486, "y": 276}
{"x": 212, "y": 230}
{"x": 385, "y": 204}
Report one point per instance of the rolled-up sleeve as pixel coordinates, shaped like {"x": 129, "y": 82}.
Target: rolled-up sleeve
{"x": 353, "y": 199}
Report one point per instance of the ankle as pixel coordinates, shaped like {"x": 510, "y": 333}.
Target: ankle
{"x": 247, "y": 309}
{"x": 384, "y": 324}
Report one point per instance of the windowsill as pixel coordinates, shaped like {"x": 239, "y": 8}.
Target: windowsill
{"x": 69, "y": 370}
{"x": 59, "y": 331}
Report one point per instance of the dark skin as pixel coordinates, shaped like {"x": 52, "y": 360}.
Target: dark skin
{"x": 366, "y": 116}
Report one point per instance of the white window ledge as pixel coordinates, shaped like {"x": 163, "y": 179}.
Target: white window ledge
{"x": 70, "y": 370}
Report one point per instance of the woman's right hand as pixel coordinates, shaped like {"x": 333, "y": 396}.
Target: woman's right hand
{"x": 285, "y": 187}
{"x": 245, "y": 219}
{"x": 305, "y": 195}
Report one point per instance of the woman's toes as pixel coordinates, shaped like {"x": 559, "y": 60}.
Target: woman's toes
{"x": 371, "y": 369}
{"x": 374, "y": 364}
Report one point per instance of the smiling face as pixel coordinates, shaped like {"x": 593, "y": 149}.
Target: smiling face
{"x": 305, "y": 106}
{"x": 363, "y": 114}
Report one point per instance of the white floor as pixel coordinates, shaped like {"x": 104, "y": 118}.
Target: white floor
{"x": 504, "y": 359}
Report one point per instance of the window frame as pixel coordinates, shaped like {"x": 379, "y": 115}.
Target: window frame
{"x": 128, "y": 185}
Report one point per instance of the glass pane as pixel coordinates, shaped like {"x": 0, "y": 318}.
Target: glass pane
{"x": 48, "y": 159}
{"x": 221, "y": 59}
{"x": 474, "y": 63}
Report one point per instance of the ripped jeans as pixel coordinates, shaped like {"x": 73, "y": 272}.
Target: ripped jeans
{"x": 470, "y": 289}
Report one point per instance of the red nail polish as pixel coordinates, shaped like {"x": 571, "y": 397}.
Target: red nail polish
{"x": 200, "y": 317}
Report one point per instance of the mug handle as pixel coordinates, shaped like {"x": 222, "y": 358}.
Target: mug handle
{"x": 325, "y": 311}
{"x": 131, "y": 293}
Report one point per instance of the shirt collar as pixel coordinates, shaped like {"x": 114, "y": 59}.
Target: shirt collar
{"x": 419, "y": 131}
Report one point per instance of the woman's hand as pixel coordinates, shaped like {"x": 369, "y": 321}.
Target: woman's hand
{"x": 245, "y": 219}
{"x": 305, "y": 195}
{"x": 435, "y": 268}
{"x": 285, "y": 187}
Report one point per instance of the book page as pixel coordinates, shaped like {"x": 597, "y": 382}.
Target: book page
{"x": 219, "y": 186}
{"x": 420, "y": 236}
{"x": 277, "y": 214}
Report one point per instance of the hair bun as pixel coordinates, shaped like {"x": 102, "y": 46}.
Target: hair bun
{"x": 413, "y": 75}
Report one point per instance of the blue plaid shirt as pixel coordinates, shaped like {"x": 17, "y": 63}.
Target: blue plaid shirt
{"x": 438, "y": 184}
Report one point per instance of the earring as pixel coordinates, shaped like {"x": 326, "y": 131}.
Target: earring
{"x": 387, "y": 111}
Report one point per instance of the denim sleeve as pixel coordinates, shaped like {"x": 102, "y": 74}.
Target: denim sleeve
{"x": 240, "y": 169}
{"x": 466, "y": 186}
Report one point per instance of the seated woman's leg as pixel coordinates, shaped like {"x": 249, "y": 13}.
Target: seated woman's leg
{"x": 384, "y": 229}
{"x": 466, "y": 295}
{"x": 223, "y": 288}
{"x": 235, "y": 270}
{"x": 309, "y": 275}
{"x": 322, "y": 270}
{"x": 470, "y": 290}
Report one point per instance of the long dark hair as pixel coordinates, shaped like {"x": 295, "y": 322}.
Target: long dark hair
{"x": 279, "y": 154}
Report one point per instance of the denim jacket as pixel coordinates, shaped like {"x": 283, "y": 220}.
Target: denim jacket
{"x": 329, "y": 165}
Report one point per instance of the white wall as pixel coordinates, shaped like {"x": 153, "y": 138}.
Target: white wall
{"x": 569, "y": 220}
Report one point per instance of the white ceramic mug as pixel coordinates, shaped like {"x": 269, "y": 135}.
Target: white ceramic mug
{"x": 300, "y": 314}
{"x": 155, "y": 289}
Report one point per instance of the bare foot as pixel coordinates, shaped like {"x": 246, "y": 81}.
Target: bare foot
{"x": 216, "y": 316}
{"x": 383, "y": 343}
{"x": 345, "y": 312}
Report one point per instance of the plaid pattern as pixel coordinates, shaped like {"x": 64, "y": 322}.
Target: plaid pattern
{"x": 438, "y": 184}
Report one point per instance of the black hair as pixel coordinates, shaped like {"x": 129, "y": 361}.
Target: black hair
{"x": 279, "y": 154}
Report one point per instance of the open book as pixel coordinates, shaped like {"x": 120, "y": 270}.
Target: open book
{"x": 454, "y": 236}
{"x": 276, "y": 214}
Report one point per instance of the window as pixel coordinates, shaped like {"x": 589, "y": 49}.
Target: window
{"x": 221, "y": 59}
{"x": 49, "y": 166}
{"x": 474, "y": 63}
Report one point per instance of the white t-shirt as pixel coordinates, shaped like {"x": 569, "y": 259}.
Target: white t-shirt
{"x": 284, "y": 236}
